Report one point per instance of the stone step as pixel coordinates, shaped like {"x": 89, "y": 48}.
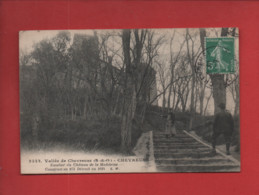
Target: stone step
{"x": 188, "y": 161}
{"x": 181, "y": 150}
{"x": 168, "y": 147}
{"x": 173, "y": 139}
{"x": 198, "y": 168}
{"x": 182, "y": 155}
{"x": 177, "y": 144}
{"x": 164, "y": 133}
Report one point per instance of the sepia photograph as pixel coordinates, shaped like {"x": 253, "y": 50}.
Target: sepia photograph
{"x": 129, "y": 100}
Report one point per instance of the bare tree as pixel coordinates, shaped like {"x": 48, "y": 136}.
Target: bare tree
{"x": 129, "y": 94}
{"x": 182, "y": 85}
{"x": 163, "y": 77}
{"x": 173, "y": 61}
{"x": 234, "y": 90}
{"x": 192, "y": 54}
{"x": 140, "y": 49}
{"x": 207, "y": 102}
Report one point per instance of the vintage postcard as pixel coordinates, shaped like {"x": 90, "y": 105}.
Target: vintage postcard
{"x": 129, "y": 100}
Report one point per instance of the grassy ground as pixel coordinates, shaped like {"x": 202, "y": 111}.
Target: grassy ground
{"x": 102, "y": 134}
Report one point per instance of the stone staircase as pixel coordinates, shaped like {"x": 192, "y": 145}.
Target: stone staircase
{"x": 187, "y": 153}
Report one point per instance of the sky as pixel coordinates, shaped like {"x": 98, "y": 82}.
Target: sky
{"x": 28, "y": 38}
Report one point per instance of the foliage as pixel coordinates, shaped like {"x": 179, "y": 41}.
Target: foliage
{"x": 87, "y": 135}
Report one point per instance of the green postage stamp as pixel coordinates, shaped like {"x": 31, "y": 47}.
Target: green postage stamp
{"x": 220, "y": 55}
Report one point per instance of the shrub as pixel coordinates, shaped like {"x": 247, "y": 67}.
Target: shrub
{"x": 102, "y": 134}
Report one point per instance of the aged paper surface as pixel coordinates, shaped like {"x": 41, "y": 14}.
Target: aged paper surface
{"x": 130, "y": 100}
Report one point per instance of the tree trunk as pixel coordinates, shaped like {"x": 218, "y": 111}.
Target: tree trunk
{"x": 130, "y": 87}
{"x": 191, "y": 62}
{"x": 236, "y": 112}
{"x": 219, "y": 90}
{"x": 129, "y": 96}
{"x": 192, "y": 110}
{"x": 201, "y": 98}
{"x": 172, "y": 75}
{"x": 127, "y": 117}
{"x": 169, "y": 97}
{"x": 206, "y": 106}
{"x": 116, "y": 103}
{"x": 164, "y": 102}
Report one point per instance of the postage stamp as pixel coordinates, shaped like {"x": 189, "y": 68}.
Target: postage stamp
{"x": 220, "y": 55}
